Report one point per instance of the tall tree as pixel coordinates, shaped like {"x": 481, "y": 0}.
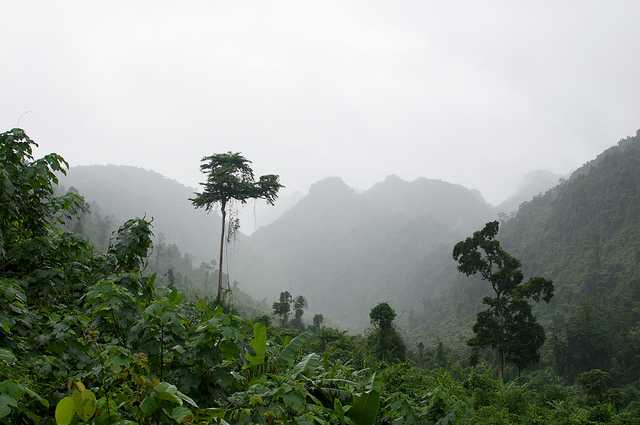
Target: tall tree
{"x": 299, "y": 304}
{"x": 231, "y": 178}
{"x": 384, "y": 340}
{"x": 317, "y": 321}
{"x": 508, "y": 324}
{"x": 283, "y": 307}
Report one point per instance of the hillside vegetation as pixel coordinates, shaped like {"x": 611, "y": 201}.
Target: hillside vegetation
{"x": 90, "y": 337}
{"x": 583, "y": 235}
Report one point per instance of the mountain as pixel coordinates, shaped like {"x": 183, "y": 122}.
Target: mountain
{"x": 346, "y": 251}
{"x": 533, "y": 183}
{"x": 257, "y": 213}
{"x": 584, "y": 234}
{"x": 124, "y": 192}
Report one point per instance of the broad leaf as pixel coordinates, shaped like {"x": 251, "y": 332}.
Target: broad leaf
{"x": 258, "y": 344}
{"x": 290, "y": 352}
{"x": 85, "y": 404}
{"x": 364, "y": 409}
{"x": 65, "y": 411}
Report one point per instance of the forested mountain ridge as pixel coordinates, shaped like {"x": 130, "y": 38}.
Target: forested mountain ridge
{"x": 345, "y": 250}
{"x": 584, "y": 235}
{"x": 585, "y": 231}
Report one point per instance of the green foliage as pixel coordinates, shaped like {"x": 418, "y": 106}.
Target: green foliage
{"x": 317, "y": 320}
{"x": 82, "y": 403}
{"x": 385, "y": 342}
{"x": 584, "y": 233}
{"x": 283, "y": 307}
{"x": 230, "y": 176}
{"x": 364, "y": 410}
{"x": 382, "y": 316}
{"x": 299, "y": 305}
{"x": 258, "y": 344}
{"x": 595, "y": 383}
{"x": 28, "y": 204}
{"x": 86, "y": 336}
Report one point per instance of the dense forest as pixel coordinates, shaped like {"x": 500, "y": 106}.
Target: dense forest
{"x": 106, "y": 327}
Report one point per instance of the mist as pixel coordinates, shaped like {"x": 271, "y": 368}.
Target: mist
{"x": 468, "y": 93}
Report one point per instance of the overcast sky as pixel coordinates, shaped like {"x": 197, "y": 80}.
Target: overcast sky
{"x": 473, "y": 92}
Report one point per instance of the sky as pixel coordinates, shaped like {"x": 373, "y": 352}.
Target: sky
{"x": 476, "y": 93}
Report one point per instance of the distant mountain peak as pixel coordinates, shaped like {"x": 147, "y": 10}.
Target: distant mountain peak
{"x": 330, "y": 185}
{"x": 393, "y": 178}
{"x": 533, "y": 183}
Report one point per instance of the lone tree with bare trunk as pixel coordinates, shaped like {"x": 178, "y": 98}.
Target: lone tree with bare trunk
{"x": 230, "y": 178}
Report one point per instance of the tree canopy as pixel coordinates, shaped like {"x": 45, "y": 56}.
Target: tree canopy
{"x": 508, "y": 324}
{"x": 231, "y": 178}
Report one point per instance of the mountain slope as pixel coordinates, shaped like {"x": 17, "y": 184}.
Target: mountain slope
{"x": 584, "y": 234}
{"x": 346, "y": 251}
{"x": 125, "y": 191}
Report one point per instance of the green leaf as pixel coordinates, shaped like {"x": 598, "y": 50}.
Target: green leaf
{"x": 7, "y": 356}
{"x": 180, "y": 414}
{"x": 364, "y": 409}
{"x": 168, "y": 392}
{"x": 36, "y": 396}
{"x": 258, "y": 344}
{"x": 11, "y": 389}
{"x": 187, "y": 399}
{"x": 290, "y": 352}
{"x": 6, "y": 403}
{"x": 337, "y": 408}
{"x": 294, "y": 401}
{"x": 65, "y": 411}
{"x": 149, "y": 405}
{"x": 85, "y": 404}
{"x": 303, "y": 420}
{"x": 308, "y": 363}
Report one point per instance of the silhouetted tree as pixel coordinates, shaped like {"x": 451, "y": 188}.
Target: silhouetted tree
{"x": 441, "y": 356}
{"x": 283, "y": 307}
{"x": 317, "y": 321}
{"x": 230, "y": 177}
{"x": 171, "y": 277}
{"x": 508, "y": 325}
{"x": 384, "y": 341}
{"x": 299, "y": 304}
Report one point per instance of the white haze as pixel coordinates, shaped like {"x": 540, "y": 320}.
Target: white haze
{"x": 476, "y": 93}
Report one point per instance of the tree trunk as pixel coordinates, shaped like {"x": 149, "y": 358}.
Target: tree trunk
{"x": 501, "y": 364}
{"x": 219, "y": 299}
